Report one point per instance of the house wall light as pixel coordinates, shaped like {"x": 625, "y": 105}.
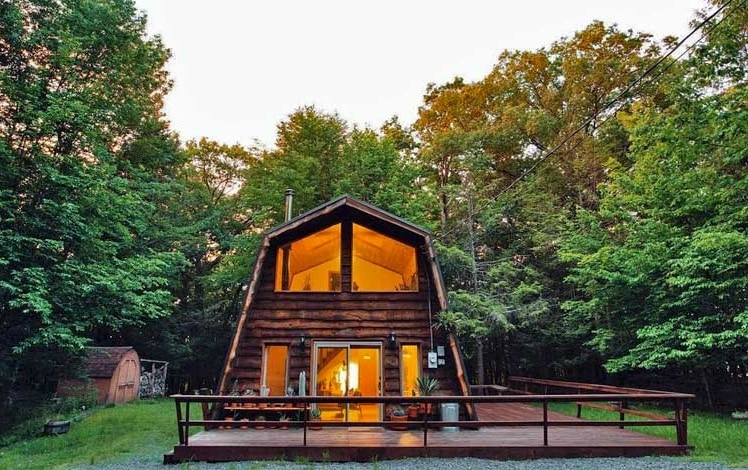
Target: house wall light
{"x": 392, "y": 340}
{"x": 302, "y": 341}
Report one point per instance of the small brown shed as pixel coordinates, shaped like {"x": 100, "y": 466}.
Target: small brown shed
{"x": 113, "y": 371}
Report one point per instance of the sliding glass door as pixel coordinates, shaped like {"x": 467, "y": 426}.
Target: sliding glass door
{"x": 348, "y": 369}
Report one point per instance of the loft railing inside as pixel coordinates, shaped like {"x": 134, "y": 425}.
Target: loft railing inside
{"x": 605, "y": 394}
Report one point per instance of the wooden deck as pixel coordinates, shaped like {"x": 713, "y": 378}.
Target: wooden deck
{"x": 363, "y": 444}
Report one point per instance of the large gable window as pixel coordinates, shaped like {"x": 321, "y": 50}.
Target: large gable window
{"x": 311, "y": 263}
{"x": 380, "y": 263}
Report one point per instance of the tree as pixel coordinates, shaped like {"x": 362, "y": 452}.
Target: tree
{"x": 478, "y": 138}
{"x": 662, "y": 265}
{"x": 86, "y": 174}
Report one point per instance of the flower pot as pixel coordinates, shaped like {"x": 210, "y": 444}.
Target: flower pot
{"x": 227, "y": 423}
{"x": 56, "y": 427}
{"x": 399, "y": 419}
{"x": 314, "y": 427}
{"x": 413, "y": 411}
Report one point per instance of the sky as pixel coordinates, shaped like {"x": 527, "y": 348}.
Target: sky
{"x": 240, "y": 67}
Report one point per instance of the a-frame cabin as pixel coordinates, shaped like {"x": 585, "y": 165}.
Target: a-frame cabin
{"x": 348, "y": 294}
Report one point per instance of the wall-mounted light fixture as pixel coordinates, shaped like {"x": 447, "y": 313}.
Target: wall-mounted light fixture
{"x": 302, "y": 341}
{"x": 392, "y": 340}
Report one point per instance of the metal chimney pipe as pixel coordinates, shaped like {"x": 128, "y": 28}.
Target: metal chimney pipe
{"x": 289, "y": 203}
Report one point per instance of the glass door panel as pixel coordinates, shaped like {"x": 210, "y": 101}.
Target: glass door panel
{"x": 364, "y": 379}
{"x": 332, "y": 380}
{"x": 348, "y": 369}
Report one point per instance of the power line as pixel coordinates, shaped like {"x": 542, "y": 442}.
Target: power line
{"x": 636, "y": 85}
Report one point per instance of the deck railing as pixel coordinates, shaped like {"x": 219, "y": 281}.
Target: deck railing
{"x": 604, "y": 396}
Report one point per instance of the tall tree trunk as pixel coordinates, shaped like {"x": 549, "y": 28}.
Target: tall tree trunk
{"x": 443, "y": 213}
{"x": 707, "y": 389}
{"x": 479, "y": 376}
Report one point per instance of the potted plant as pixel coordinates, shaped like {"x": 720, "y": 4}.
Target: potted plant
{"x": 315, "y": 415}
{"x": 413, "y": 408}
{"x": 264, "y": 392}
{"x": 234, "y": 392}
{"x": 283, "y": 421}
{"x": 249, "y": 393}
{"x": 399, "y": 415}
{"x": 260, "y": 420}
{"x": 426, "y": 386}
{"x": 289, "y": 393}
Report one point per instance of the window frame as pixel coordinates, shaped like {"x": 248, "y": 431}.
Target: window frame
{"x": 419, "y": 365}
{"x": 345, "y": 274}
{"x": 263, "y": 372}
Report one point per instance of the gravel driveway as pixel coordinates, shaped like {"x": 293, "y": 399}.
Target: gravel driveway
{"x": 647, "y": 463}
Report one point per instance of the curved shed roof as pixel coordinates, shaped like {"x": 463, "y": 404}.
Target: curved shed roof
{"x": 102, "y": 361}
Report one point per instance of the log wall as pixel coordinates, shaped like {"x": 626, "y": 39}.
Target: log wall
{"x": 281, "y": 318}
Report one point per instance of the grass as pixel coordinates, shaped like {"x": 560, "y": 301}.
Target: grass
{"x": 147, "y": 429}
{"x": 137, "y": 429}
{"x": 716, "y": 438}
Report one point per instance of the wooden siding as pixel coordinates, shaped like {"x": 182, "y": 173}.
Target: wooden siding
{"x": 281, "y": 317}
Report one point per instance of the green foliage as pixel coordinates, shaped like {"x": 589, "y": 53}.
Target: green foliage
{"x": 86, "y": 165}
{"x": 663, "y": 264}
{"x": 426, "y": 385}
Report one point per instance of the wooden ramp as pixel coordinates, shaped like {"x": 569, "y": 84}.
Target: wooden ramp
{"x": 369, "y": 443}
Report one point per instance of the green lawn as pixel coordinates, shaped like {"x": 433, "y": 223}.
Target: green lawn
{"x": 147, "y": 429}
{"x": 111, "y": 433}
{"x": 715, "y": 438}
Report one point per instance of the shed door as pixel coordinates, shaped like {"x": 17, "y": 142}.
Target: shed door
{"x": 348, "y": 369}
{"x": 126, "y": 381}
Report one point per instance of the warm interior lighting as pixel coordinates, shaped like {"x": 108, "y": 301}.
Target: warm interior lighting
{"x": 381, "y": 263}
{"x": 410, "y": 368}
{"x": 341, "y": 376}
{"x": 276, "y": 366}
{"x": 353, "y": 376}
{"x": 311, "y": 263}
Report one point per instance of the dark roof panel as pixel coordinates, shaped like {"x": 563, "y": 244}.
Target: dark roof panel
{"x": 102, "y": 361}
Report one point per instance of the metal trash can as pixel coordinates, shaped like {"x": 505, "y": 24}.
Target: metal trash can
{"x": 450, "y": 412}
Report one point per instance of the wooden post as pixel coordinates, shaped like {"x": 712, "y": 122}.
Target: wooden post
{"x": 186, "y": 428}
{"x": 545, "y": 422}
{"x": 621, "y": 415}
{"x": 426, "y": 429}
{"x": 681, "y": 422}
{"x": 305, "y": 413}
{"x": 206, "y": 414}
{"x": 179, "y": 421}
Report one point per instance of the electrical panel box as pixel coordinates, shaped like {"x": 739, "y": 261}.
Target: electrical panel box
{"x": 432, "y": 362}
{"x": 440, "y": 351}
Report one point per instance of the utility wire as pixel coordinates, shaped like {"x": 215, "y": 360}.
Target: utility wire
{"x": 636, "y": 83}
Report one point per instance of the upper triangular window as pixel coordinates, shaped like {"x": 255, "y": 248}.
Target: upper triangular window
{"x": 381, "y": 263}
{"x": 311, "y": 263}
